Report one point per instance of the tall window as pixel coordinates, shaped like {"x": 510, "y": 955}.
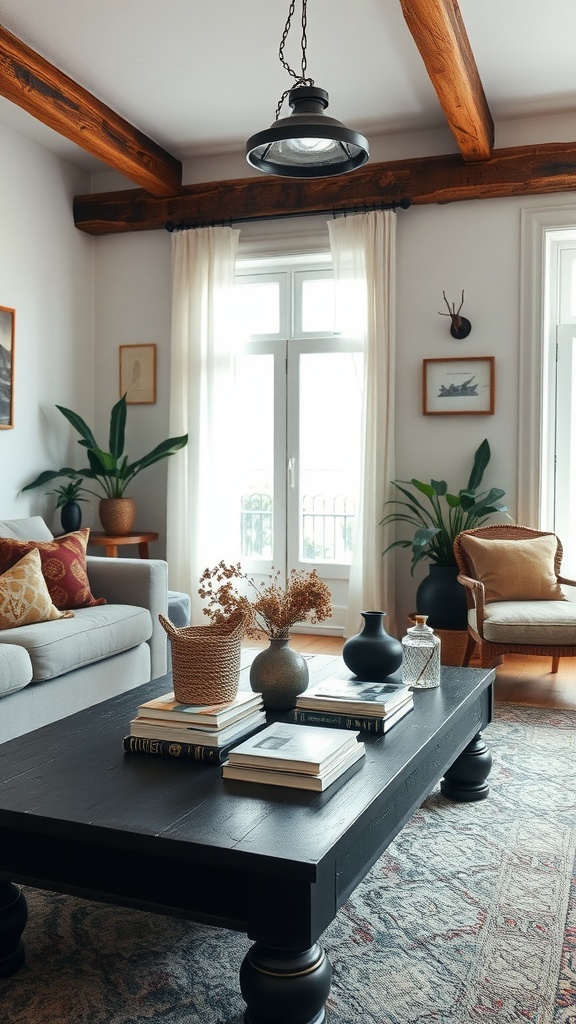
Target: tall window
{"x": 300, "y": 389}
{"x": 559, "y": 393}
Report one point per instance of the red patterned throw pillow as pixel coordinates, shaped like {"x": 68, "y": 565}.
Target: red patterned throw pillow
{"x": 63, "y": 562}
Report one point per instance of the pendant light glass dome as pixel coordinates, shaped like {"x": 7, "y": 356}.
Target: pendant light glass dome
{"x": 308, "y": 143}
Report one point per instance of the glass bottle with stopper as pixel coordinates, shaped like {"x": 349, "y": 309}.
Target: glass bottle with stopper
{"x": 421, "y": 656}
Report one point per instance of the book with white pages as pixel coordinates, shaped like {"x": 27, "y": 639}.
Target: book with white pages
{"x": 207, "y": 716}
{"x": 297, "y": 748}
{"x": 355, "y": 696}
{"x": 179, "y": 733}
{"x": 295, "y": 780}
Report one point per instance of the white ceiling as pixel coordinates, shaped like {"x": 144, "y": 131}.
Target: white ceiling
{"x": 203, "y": 76}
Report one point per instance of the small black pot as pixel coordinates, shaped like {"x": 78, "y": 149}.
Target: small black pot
{"x": 71, "y": 516}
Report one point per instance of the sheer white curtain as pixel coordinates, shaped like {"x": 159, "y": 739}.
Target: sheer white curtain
{"x": 364, "y": 257}
{"x": 202, "y": 513}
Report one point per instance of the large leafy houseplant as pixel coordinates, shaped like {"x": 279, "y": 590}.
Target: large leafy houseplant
{"x": 443, "y": 515}
{"x": 111, "y": 470}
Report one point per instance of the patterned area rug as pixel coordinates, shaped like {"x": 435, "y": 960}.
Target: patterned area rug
{"x": 470, "y": 916}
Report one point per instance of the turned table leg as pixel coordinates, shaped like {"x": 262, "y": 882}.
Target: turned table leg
{"x": 282, "y": 986}
{"x": 465, "y": 780}
{"x": 13, "y": 917}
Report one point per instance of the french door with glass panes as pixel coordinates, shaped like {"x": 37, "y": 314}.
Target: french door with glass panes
{"x": 299, "y": 385}
{"x": 558, "y": 499}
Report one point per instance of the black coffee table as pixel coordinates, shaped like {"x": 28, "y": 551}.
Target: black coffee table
{"x": 78, "y": 816}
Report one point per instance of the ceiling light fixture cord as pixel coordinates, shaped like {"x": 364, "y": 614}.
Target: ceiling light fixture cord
{"x": 301, "y": 78}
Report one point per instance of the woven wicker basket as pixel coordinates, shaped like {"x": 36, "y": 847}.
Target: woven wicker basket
{"x": 206, "y": 660}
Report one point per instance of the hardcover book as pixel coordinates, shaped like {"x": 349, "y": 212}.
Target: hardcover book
{"x": 296, "y": 748}
{"x": 295, "y": 780}
{"x": 179, "y": 733}
{"x": 377, "y": 725}
{"x": 355, "y": 696}
{"x": 182, "y": 751}
{"x": 212, "y": 716}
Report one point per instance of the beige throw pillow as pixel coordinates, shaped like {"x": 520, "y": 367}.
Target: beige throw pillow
{"x": 24, "y": 596}
{"x": 515, "y": 570}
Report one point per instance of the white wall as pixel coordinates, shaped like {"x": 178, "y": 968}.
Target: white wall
{"x": 46, "y": 276}
{"x": 133, "y": 307}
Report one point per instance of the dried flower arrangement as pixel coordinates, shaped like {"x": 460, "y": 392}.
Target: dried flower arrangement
{"x": 274, "y": 609}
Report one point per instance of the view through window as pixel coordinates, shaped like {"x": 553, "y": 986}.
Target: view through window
{"x": 300, "y": 432}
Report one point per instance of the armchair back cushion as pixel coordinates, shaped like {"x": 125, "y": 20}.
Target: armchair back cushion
{"x": 515, "y": 570}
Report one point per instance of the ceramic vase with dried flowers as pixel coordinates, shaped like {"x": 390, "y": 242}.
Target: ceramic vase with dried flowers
{"x": 278, "y": 672}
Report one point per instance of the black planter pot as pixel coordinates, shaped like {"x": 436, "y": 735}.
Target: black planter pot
{"x": 71, "y": 516}
{"x": 373, "y": 654}
{"x": 442, "y": 598}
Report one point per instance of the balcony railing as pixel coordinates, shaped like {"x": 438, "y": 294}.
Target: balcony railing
{"x": 326, "y": 528}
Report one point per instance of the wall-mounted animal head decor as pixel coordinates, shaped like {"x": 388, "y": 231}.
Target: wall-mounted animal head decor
{"x": 460, "y": 327}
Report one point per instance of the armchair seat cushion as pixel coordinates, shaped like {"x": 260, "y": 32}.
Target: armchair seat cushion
{"x": 541, "y": 623}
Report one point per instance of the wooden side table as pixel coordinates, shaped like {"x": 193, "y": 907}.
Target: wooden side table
{"x": 112, "y": 543}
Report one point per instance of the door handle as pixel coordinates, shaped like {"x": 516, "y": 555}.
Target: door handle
{"x": 291, "y": 472}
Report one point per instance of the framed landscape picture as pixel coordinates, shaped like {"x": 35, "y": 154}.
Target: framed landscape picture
{"x": 7, "y": 336}
{"x": 458, "y": 386}
{"x": 138, "y": 374}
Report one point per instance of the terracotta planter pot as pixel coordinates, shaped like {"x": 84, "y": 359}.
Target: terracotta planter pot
{"x": 117, "y": 515}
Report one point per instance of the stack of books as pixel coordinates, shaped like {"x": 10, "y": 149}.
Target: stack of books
{"x": 194, "y": 731}
{"x": 353, "y": 704}
{"x": 300, "y": 756}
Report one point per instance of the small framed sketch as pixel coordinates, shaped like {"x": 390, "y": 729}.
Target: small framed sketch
{"x": 458, "y": 386}
{"x": 138, "y": 374}
{"x": 7, "y": 337}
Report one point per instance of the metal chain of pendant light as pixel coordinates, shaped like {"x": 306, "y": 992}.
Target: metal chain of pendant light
{"x": 308, "y": 143}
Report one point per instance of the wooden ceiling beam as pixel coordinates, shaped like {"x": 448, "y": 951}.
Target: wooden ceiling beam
{"x": 34, "y": 84}
{"x": 438, "y": 31}
{"x": 520, "y": 171}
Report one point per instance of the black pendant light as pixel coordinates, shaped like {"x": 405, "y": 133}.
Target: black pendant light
{"x": 308, "y": 143}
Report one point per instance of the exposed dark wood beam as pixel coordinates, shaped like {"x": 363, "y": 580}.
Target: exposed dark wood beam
{"x": 438, "y": 31}
{"x": 521, "y": 171}
{"x": 34, "y": 84}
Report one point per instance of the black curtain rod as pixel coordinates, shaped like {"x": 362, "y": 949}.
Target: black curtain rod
{"x": 187, "y": 225}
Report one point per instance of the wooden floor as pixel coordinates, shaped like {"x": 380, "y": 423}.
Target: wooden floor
{"x": 519, "y": 680}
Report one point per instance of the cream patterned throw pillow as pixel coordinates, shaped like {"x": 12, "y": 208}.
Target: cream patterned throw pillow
{"x": 24, "y": 596}
{"x": 515, "y": 570}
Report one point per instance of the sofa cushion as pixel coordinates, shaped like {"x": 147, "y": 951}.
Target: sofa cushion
{"x": 30, "y": 528}
{"x": 529, "y": 622}
{"x": 63, "y": 566}
{"x": 24, "y": 596}
{"x": 94, "y": 633}
{"x": 515, "y": 570}
{"x": 15, "y": 668}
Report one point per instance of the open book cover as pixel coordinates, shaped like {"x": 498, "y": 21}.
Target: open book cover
{"x": 300, "y": 748}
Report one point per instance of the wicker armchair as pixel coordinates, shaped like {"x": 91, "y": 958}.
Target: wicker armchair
{"x": 515, "y": 604}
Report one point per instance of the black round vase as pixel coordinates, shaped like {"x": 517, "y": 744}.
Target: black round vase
{"x": 71, "y": 516}
{"x": 372, "y": 654}
{"x": 442, "y": 598}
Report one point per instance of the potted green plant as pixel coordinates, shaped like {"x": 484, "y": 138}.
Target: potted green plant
{"x": 437, "y": 522}
{"x": 68, "y": 499}
{"x": 111, "y": 470}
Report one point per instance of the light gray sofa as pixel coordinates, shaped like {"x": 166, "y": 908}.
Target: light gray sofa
{"x": 51, "y": 669}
